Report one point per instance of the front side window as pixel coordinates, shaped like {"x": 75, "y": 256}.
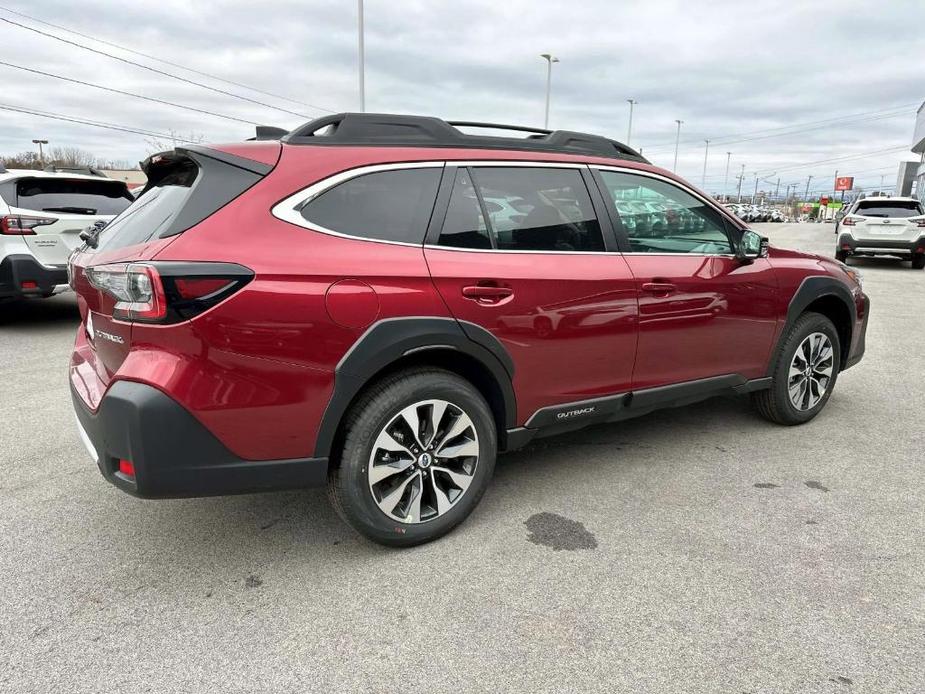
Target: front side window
{"x": 392, "y": 205}
{"x": 527, "y": 209}
{"x": 659, "y": 217}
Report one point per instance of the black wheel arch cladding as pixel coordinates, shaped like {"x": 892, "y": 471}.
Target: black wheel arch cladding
{"x": 391, "y": 340}
{"x": 820, "y": 290}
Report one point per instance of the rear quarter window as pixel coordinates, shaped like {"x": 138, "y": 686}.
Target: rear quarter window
{"x": 393, "y": 205}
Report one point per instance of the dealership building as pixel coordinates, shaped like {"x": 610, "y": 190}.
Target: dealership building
{"x": 913, "y": 177}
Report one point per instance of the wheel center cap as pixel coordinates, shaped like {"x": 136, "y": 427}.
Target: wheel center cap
{"x": 425, "y": 460}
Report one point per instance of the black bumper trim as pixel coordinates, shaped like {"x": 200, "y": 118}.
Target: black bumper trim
{"x": 174, "y": 455}
{"x": 880, "y": 246}
{"x": 860, "y": 344}
{"x": 16, "y": 269}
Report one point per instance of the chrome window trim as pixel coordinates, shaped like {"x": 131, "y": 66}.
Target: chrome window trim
{"x": 687, "y": 189}
{"x": 289, "y": 209}
{"x": 518, "y": 163}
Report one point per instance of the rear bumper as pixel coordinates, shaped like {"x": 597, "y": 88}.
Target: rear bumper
{"x": 40, "y": 280}
{"x": 173, "y": 454}
{"x": 880, "y": 246}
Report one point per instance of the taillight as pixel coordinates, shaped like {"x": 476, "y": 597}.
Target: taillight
{"x": 849, "y": 222}
{"x": 18, "y": 225}
{"x": 166, "y": 292}
{"x": 137, "y": 289}
{"x": 920, "y": 222}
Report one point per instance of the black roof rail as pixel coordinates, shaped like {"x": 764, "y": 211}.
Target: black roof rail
{"x": 268, "y": 132}
{"x": 427, "y": 131}
{"x": 86, "y": 170}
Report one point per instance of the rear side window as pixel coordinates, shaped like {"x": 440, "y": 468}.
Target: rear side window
{"x": 71, "y": 196}
{"x": 392, "y": 205}
{"x": 527, "y": 209}
{"x": 892, "y": 208}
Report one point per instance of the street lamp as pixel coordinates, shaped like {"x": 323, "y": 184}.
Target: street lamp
{"x": 629, "y": 129}
{"x": 41, "y": 153}
{"x": 361, "y": 58}
{"x": 726, "y": 179}
{"x": 550, "y": 59}
{"x": 706, "y": 152}
{"x": 677, "y": 141}
{"x": 741, "y": 176}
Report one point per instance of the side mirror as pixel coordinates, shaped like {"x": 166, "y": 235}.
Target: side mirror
{"x": 751, "y": 246}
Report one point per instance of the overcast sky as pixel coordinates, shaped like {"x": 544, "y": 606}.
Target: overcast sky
{"x": 729, "y": 70}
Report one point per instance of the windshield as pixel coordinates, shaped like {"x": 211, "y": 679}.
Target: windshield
{"x": 72, "y": 196}
{"x": 897, "y": 208}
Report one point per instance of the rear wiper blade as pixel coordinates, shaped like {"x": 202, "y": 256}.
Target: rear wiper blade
{"x": 72, "y": 210}
{"x": 91, "y": 235}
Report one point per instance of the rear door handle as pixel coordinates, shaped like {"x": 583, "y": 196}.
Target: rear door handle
{"x": 659, "y": 288}
{"x": 485, "y": 293}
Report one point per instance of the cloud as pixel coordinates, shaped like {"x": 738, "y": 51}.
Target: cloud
{"x": 721, "y": 68}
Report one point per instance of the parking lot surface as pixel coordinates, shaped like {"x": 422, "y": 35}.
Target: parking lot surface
{"x": 698, "y": 549}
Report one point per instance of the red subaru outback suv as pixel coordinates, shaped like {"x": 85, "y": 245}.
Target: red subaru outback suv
{"x": 383, "y": 303}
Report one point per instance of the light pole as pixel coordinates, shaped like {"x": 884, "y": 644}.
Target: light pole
{"x": 806, "y": 194}
{"x": 629, "y": 129}
{"x": 41, "y": 152}
{"x": 741, "y": 176}
{"x": 550, "y": 59}
{"x": 755, "y": 194}
{"x": 706, "y": 153}
{"x": 777, "y": 189}
{"x": 361, "y": 47}
{"x": 677, "y": 141}
{"x": 726, "y": 179}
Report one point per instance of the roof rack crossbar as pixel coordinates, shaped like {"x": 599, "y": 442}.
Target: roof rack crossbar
{"x": 383, "y": 129}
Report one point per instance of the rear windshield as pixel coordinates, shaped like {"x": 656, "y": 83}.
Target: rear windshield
{"x": 896, "y": 208}
{"x": 146, "y": 217}
{"x": 71, "y": 196}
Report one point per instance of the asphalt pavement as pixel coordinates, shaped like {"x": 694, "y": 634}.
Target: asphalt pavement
{"x": 698, "y": 549}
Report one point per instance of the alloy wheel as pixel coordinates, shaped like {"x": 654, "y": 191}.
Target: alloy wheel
{"x": 423, "y": 461}
{"x": 811, "y": 371}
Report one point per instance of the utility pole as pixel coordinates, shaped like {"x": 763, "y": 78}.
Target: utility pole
{"x": 777, "y": 189}
{"x": 706, "y": 153}
{"x": 361, "y": 47}
{"x": 726, "y": 179}
{"x": 41, "y": 152}
{"x": 629, "y": 129}
{"x": 741, "y": 176}
{"x": 806, "y": 194}
{"x": 755, "y": 195}
{"x": 677, "y": 141}
{"x": 550, "y": 59}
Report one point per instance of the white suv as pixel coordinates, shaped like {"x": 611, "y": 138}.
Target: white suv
{"x": 42, "y": 214}
{"x": 883, "y": 226}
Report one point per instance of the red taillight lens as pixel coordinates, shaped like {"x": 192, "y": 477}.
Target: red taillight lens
{"x": 920, "y": 222}
{"x": 137, "y": 289}
{"x": 18, "y": 225}
{"x": 849, "y": 222}
{"x": 127, "y": 468}
{"x": 200, "y": 287}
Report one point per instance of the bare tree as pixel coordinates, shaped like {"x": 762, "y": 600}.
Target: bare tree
{"x": 73, "y": 157}
{"x": 23, "y": 160}
{"x": 159, "y": 144}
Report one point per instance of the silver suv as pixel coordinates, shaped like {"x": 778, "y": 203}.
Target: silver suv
{"x": 883, "y": 226}
{"x": 42, "y": 214}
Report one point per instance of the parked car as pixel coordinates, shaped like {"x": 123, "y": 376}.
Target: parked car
{"x": 883, "y": 226}
{"x": 42, "y": 214}
{"x": 337, "y": 308}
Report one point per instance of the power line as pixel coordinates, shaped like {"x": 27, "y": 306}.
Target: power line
{"x": 119, "y": 91}
{"x": 843, "y": 158}
{"x": 85, "y": 121}
{"x": 152, "y": 69}
{"x": 811, "y": 125}
{"x": 165, "y": 62}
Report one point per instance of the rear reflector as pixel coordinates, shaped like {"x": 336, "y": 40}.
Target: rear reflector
{"x": 846, "y": 247}
{"x": 29, "y": 284}
{"x": 127, "y": 468}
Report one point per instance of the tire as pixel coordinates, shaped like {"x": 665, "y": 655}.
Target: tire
{"x": 775, "y": 404}
{"x": 918, "y": 261}
{"x": 842, "y": 256}
{"x": 360, "y": 499}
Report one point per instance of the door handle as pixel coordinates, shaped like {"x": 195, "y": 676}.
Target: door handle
{"x": 485, "y": 293}
{"x": 659, "y": 288}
